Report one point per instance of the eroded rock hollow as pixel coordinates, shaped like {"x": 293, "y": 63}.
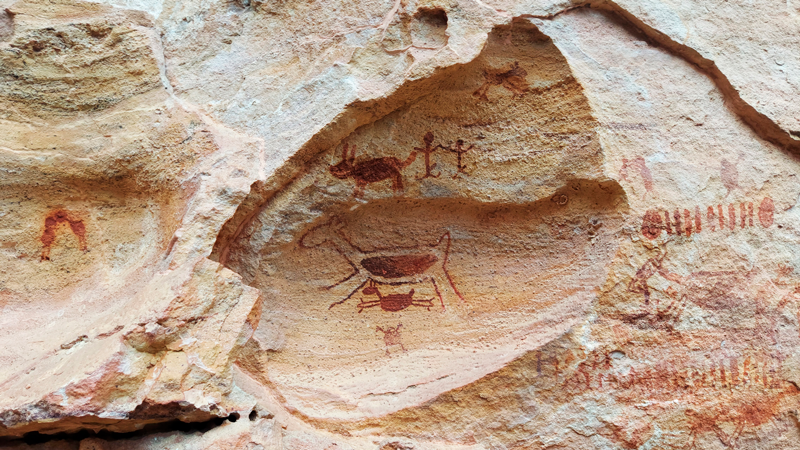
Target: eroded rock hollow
{"x": 399, "y": 225}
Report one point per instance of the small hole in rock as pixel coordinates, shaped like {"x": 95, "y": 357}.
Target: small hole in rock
{"x": 233, "y": 417}
{"x": 253, "y": 415}
{"x": 430, "y": 28}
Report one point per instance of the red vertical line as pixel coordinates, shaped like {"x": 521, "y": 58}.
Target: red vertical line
{"x": 746, "y": 371}
{"x": 538, "y": 364}
{"x": 722, "y": 374}
{"x": 714, "y": 375}
{"x": 764, "y": 375}
{"x": 774, "y": 384}
{"x": 667, "y": 225}
{"x": 743, "y": 213}
{"x": 555, "y": 366}
{"x": 721, "y": 218}
{"x": 756, "y": 378}
{"x": 734, "y": 371}
{"x": 698, "y": 227}
{"x": 710, "y": 216}
{"x": 688, "y": 217}
{"x": 750, "y": 212}
{"x": 732, "y": 214}
{"x": 678, "y": 225}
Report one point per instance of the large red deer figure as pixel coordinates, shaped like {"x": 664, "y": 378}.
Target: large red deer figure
{"x": 386, "y": 266}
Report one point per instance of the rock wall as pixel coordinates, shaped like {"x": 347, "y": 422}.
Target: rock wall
{"x": 399, "y": 225}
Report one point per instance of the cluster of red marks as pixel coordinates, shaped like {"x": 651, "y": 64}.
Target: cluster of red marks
{"x": 707, "y": 386}
{"x": 687, "y": 222}
{"x": 598, "y": 371}
{"x": 51, "y": 224}
{"x": 639, "y": 164}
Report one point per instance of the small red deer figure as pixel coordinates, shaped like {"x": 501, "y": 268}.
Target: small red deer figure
{"x": 371, "y": 170}
{"x": 391, "y": 336}
{"x": 391, "y": 302}
{"x": 512, "y": 79}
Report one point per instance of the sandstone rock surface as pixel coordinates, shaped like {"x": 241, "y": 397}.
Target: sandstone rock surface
{"x": 399, "y": 224}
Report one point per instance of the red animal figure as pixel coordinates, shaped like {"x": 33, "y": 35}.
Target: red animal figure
{"x": 51, "y": 224}
{"x": 371, "y": 170}
{"x": 512, "y": 79}
{"x": 391, "y": 336}
{"x": 386, "y": 266}
{"x": 427, "y": 150}
{"x": 391, "y": 302}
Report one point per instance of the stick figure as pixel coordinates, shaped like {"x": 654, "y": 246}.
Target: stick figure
{"x": 652, "y": 266}
{"x": 428, "y": 140}
{"x": 459, "y": 151}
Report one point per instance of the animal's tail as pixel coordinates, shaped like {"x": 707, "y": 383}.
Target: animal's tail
{"x": 408, "y": 161}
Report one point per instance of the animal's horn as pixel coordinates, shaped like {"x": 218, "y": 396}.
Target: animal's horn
{"x": 344, "y": 150}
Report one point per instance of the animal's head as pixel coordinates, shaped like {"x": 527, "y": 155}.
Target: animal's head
{"x": 428, "y": 138}
{"x": 344, "y": 168}
{"x": 370, "y": 290}
{"x": 321, "y": 233}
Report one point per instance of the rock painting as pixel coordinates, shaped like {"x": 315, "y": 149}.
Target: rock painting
{"x": 427, "y": 150}
{"x": 392, "y": 266}
{"x": 639, "y": 164}
{"x": 512, "y": 79}
{"x": 729, "y": 175}
{"x": 371, "y": 171}
{"x": 686, "y": 222}
{"x": 391, "y": 337}
{"x": 472, "y": 257}
{"x": 51, "y": 225}
{"x": 459, "y": 150}
{"x": 392, "y": 302}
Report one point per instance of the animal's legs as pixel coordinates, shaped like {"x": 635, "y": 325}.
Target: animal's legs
{"x": 358, "y": 191}
{"x": 440, "y": 273}
{"x": 363, "y": 305}
{"x": 351, "y": 293}
{"x": 354, "y": 273}
{"x": 424, "y": 303}
{"x": 444, "y": 285}
{"x": 481, "y": 92}
{"x": 439, "y": 294}
{"x": 397, "y": 182}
